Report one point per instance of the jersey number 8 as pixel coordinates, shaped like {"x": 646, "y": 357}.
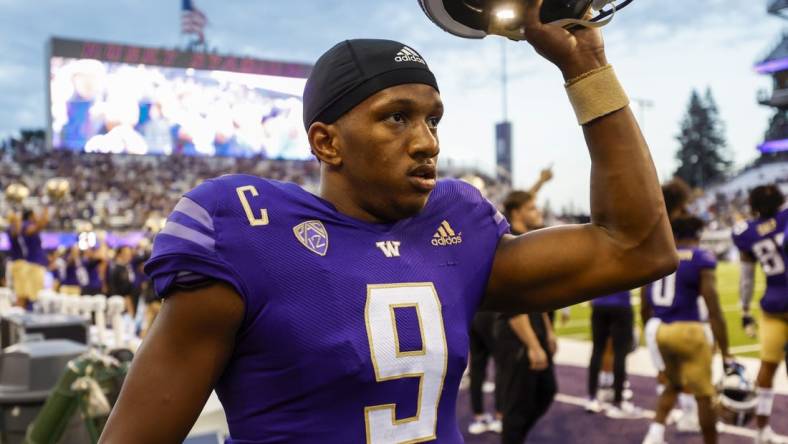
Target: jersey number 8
{"x": 769, "y": 255}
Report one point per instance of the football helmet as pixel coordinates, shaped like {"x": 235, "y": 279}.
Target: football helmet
{"x": 475, "y": 19}
{"x": 736, "y": 398}
{"x": 57, "y": 188}
{"x": 16, "y": 192}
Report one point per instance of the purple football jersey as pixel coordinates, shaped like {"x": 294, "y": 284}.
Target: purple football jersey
{"x": 17, "y": 252}
{"x": 31, "y": 245}
{"x": 675, "y": 297}
{"x": 763, "y": 239}
{"x": 353, "y": 332}
{"x": 620, "y": 299}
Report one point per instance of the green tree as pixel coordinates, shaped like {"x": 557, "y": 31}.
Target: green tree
{"x": 703, "y": 156}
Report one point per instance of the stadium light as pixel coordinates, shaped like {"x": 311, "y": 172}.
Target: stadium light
{"x": 505, "y": 13}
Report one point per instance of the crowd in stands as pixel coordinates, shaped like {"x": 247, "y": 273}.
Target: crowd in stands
{"x": 125, "y": 192}
{"x": 122, "y": 192}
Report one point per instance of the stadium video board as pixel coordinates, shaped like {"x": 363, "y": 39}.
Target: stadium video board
{"x": 113, "y": 98}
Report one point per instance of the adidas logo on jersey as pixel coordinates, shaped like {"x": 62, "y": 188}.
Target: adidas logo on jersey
{"x": 408, "y": 55}
{"x": 446, "y": 236}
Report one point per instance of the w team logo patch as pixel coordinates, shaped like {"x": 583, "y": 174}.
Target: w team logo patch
{"x": 446, "y": 236}
{"x": 313, "y": 235}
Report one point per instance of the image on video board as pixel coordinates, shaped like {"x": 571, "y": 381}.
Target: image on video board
{"x": 105, "y": 107}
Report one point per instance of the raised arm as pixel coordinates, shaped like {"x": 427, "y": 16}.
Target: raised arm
{"x": 544, "y": 176}
{"x": 40, "y": 222}
{"x": 628, "y": 242}
{"x": 176, "y": 367}
{"x": 14, "y": 223}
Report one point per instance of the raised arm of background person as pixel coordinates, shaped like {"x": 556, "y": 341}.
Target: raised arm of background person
{"x": 708, "y": 289}
{"x": 521, "y": 325}
{"x": 746, "y": 281}
{"x": 176, "y": 367}
{"x": 544, "y": 176}
{"x": 40, "y": 222}
{"x": 14, "y": 223}
{"x": 628, "y": 242}
{"x": 645, "y": 307}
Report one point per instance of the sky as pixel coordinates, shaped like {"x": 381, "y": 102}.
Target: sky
{"x": 660, "y": 50}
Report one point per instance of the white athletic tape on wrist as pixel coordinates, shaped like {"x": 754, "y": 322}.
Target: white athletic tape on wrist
{"x": 595, "y": 94}
{"x": 765, "y": 401}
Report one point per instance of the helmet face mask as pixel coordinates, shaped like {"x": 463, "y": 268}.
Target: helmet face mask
{"x": 736, "y": 400}
{"x": 476, "y": 19}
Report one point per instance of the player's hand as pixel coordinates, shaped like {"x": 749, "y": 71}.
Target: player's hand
{"x": 574, "y": 53}
{"x": 748, "y": 324}
{"x": 537, "y": 357}
{"x": 546, "y": 175}
{"x": 731, "y": 367}
{"x": 552, "y": 343}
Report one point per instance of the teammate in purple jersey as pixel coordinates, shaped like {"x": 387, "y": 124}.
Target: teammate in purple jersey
{"x": 344, "y": 317}
{"x": 27, "y": 232}
{"x": 684, "y": 352}
{"x": 760, "y": 240}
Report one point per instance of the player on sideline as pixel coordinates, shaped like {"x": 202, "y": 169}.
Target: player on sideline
{"x": 526, "y": 343}
{"x": 482, "y": 332}
{"x": 343, "y": 317}
{"x": 760, "y": 240}
{"x": 611, "y": 319}
{"x": 684, "y": 351}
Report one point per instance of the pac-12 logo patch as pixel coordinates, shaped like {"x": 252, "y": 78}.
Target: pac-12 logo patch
{"x": 313, "y": 235}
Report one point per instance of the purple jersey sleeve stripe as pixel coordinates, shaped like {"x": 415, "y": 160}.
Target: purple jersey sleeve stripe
{"x": 195, "y": 211}
{"x": 500, "y": 221}
{"x": 175, "y": 229}
{"x": 189, "y": 222}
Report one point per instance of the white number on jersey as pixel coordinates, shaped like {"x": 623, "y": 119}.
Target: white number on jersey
{"x": 428, "y": 364}
{"x": 663, "y": 291}
{"x": 768, "y": 252}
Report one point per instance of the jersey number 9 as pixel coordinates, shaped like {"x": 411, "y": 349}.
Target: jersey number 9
{"x": 390, "y": 363}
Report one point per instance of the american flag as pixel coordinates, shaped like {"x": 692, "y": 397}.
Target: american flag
{"x": 193, "y": 20}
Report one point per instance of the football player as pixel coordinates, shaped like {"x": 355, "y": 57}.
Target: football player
{"x": 73, "y": 272}
{"x": 482, "y": 347}
{"x": 343, "y": 317}
{"x": 16, "y": 255}
{"x": 28, "y": 233}
{"x": 684, "y": 349}
{"x": 760, "y": 240}
{"x": 95, "y": 263}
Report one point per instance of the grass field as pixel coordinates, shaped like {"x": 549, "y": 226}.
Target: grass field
{"x": 579, "y": 325}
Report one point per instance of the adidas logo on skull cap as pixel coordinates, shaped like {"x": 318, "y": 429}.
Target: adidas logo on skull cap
{"x": 408, "y": 55}
{"x": 354, "y": 70}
